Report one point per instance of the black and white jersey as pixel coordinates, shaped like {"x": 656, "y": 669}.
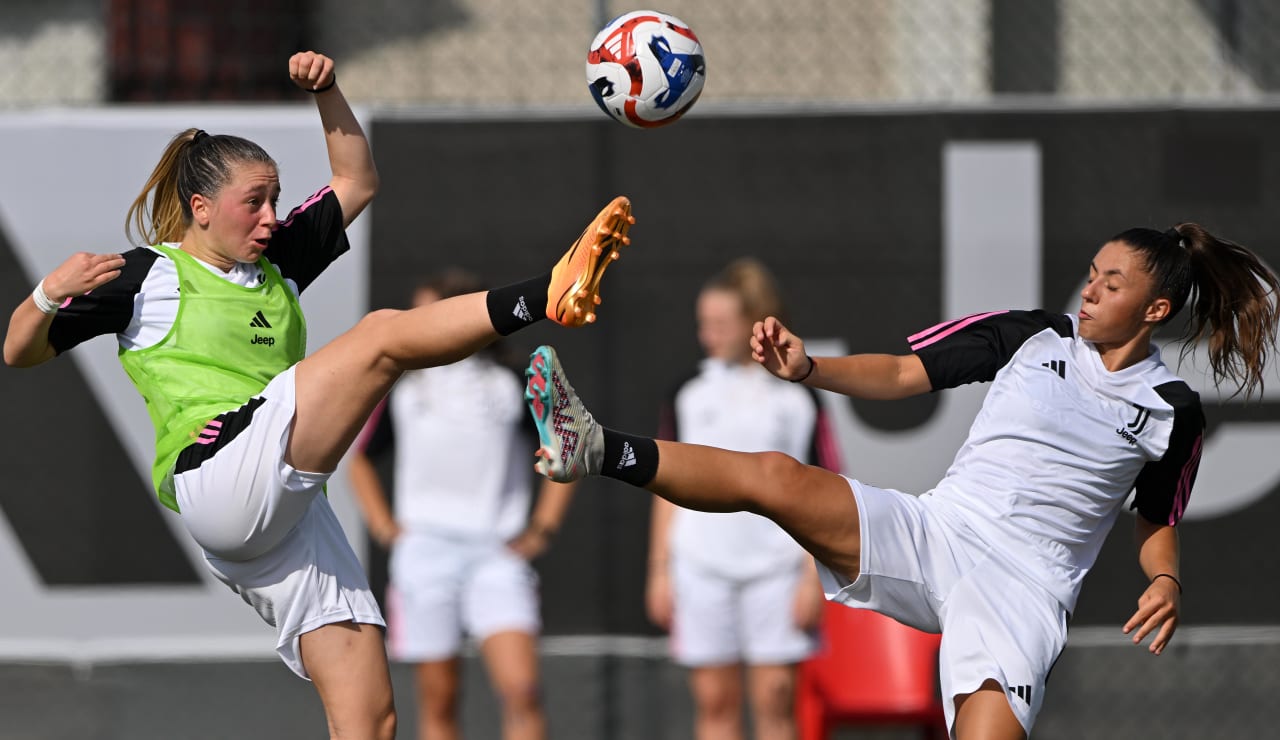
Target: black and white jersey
{"x": 1060, "y": 440}
{"x": 141, "y": 305}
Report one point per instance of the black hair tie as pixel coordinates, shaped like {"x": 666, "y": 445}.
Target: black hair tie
{"x": 1177, "y": 238}
{"x": 200, "y": 134}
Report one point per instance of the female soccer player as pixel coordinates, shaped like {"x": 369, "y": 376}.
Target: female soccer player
{"x": 461, "y": 535}
{"x": 735, "y": 589}
{"x": 1082, "y": 410}
{"x": 247, "y": 430}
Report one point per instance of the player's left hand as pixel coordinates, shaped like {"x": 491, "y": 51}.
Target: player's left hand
{"x": 310, "y": 70}
{"x": 1157, "y": 612}
{"x": 531, "y": 543}
{"x": 806, "y": 608}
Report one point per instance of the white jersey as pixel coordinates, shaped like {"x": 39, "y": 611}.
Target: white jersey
{"x": 1060, "y": 441}
{"x": 460, "y": 465}
{"x": 742, "y": 408}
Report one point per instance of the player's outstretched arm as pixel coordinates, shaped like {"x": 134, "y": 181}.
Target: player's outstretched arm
{"x": 544, "y": 522}
{"x": 27, "y": 341}
{"x": 1159, "y": 605}
{"x": 355, "y": 178}
{"x": 372, "y": 500}
{"x": 659, "y": 596}
{"x": 872, "y": 376}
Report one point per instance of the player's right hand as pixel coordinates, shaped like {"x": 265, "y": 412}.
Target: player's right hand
{"x": 310, "y": 70}
{"x": 81, "y": 273}
{"x": 781, "y": 352}
{"x": 658, "y": 599}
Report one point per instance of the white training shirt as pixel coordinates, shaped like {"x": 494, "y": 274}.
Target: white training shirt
{"x": 1060, "y": 441}
{"x": 462, "y": 462}
{"x": 742, "y": 407}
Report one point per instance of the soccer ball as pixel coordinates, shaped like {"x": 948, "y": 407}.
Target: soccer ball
{"x": 645, "y": 68}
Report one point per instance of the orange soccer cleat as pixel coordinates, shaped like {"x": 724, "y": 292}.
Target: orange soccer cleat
{"x": 574, "y": 292}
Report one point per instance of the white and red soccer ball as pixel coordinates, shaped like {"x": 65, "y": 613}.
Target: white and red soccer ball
{"x": 645, "y": 68}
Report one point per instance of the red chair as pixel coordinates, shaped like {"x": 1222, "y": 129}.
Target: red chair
{"x": 870, "y": 670}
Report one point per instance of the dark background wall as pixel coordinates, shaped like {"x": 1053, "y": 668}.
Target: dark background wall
{"x": 847, "y": 211}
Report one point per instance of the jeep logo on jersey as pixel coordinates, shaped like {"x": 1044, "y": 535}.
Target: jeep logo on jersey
{"x": 269, "y": 341}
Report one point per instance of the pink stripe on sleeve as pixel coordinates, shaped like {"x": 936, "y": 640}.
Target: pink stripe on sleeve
{"x": 1188, "y": 477}
{"x": 315, "y": 198}
{"x": 947, "y": 328}
{"x": 828, "y": 449}
{"x": 362, "y": 442}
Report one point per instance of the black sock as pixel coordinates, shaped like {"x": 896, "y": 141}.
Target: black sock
{"x": 629, "y": 458}
{"x": 514, "y": 307}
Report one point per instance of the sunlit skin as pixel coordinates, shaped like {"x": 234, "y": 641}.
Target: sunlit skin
{"x": 1118, "y": 311}
{"x": 723, "y": 328}
{"x": 235, "y": 224}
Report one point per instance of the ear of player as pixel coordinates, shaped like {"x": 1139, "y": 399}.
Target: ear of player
{"x": 575, "y": 280}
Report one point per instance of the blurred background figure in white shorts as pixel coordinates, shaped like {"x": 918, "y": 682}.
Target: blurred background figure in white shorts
{"x": 461, "y": 535}
{"x": 734, "y": 589}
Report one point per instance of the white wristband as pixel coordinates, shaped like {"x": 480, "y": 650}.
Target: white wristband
{"x": 43, "y": 302}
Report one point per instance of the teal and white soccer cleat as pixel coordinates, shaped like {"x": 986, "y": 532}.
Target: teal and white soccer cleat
{"x": 572, "y": 442}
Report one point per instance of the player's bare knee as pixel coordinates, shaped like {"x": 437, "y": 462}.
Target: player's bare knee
{"x": 377, "y": 335}
{"x": 774, "y": 695}
{"x": 386, "y": 724}
{"x": 778, "y": 477}
{"x": 716, "y": 699}
{"x": 439, "y": 706}
{"x": 521, "y": 697}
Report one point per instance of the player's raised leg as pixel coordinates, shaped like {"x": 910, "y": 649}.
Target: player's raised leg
{"x": 814, "y": 505}
{"x": 339, "y": 386}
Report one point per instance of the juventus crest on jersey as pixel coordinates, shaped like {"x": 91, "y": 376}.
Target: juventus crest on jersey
{"x": 1060, "y": 440}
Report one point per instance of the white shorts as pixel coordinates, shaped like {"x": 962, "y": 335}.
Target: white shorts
{"x": 443, "y": 587}
{"x": 723, "y": 621}
{"x": 934, "y": 574}
{"x": 267, "y": 529}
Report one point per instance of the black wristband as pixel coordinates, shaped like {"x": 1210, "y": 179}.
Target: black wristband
{"x": 332, "y": 81}
{"x": 1176, "y": 582}
{"x": 805, "y": 377}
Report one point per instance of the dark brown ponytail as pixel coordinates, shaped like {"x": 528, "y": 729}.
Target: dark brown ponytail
{"x": 1230, "y": 292}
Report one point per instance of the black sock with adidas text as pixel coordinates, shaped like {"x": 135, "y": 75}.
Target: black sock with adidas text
{"x": 514, "y": 307}
{"x": 629, "y": 458}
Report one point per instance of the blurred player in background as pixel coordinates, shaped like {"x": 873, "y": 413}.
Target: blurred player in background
{"x": 734, "y": 588}
{"x": 247, "y": 431}
{"x": 1081, "y": 411}
{"x": 461, "y": 536}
